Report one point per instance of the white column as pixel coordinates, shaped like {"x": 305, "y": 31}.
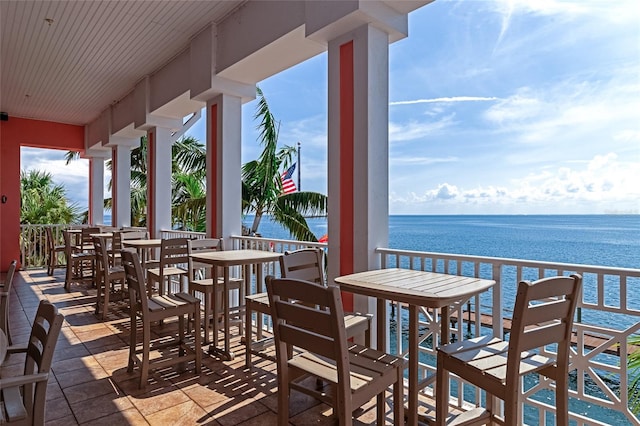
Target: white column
{"x": 358, "y": 153}
{"x": 96, "y": 190}
{"x": 121, "y": 182}
{"x": 158, "y": 180}
{"x": 224, "y": 178}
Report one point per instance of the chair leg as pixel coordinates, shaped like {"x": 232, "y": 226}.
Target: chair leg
{"x": 132, "y": 343}
{"x": 50, "y": 264}
{"x": 442, "y": 400}
{"x": 105, "y": 308}
{"x": 68, "y": 275}
{"x": 283, "y": 399}
{"x": 146, "y": 344}
{"x": 398, "y": 401}
{"x": 562, "y": 399}
{"x": 196, "y": 337}
{"x": 207, "y": 310}
{"x": 247, "y": 335}
{"x": 181, "y": 351}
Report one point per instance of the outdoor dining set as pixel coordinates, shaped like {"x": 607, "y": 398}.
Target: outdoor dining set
{"x": 341, "y": 358}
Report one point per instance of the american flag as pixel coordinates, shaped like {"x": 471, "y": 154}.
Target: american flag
{"x": 288, "y": 185}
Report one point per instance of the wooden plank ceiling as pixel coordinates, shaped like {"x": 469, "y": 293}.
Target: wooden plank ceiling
{"x": 66, "y": 61}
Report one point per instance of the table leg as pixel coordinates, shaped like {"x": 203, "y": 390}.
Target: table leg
{"x": 227, "y": 298}
{"x": 413, "y": 366}
{"x": 381, "y": 344}
{"x": 442, "y": 382}
{"x": 224, "y": 353}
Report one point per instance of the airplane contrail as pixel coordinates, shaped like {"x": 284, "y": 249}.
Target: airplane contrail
{"x": 449, "y": 99}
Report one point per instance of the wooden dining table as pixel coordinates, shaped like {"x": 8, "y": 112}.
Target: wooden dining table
{"x": 416, "y": 289}
{"x": 227, "y": 259}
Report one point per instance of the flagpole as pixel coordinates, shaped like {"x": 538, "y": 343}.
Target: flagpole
{"x": 299, "y": 168}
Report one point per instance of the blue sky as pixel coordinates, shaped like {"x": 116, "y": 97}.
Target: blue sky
{"x": 496, "y": 107}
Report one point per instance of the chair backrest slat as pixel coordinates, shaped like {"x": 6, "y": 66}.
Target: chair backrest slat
{"x": 203, "y": 245}
{"x": 173, "y": 251}
{"x": 134, "y": 235}
{"x": 40, "y": 349}
{"x": 87, "y": 240}
{"x": 311, "y": 319}
{"x": 304, "y": 264}
{"x": 102, "y": 256}
{"x": 322, "y": 333}
{"x": 5, "y": 297}
{"x": 543, "y": 315}
{"x": 135, "y": 281}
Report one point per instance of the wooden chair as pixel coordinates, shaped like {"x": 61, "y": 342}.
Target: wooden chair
{"x": 115, "y": 248}
{"x": 157, "y": 308}
{"x": 355, "y": 373}
{"x": 173, "y": 252}
{"x": 86, "y": 239}
{"x": 200, "y": 279}
{"x": 5, "y": 296}
{"x": 23, "y": 397}
{"x": 78, "y": 262}
{"x": 543, "y": 315}
{"x": 52, "y": 251}
{"x": 129, "y": 234}
{"x": 107, "y": 276}
{"x": 305, "y": 264}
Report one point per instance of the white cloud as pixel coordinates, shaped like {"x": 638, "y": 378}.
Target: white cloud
{"x": 400, "y": 132}
{"x": 568, "y": 109}
{"x": 604, "y": 181}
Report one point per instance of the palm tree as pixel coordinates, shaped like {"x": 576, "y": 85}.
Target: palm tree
{"x": 262, "y": 186}
{"x": 43, "y": 202}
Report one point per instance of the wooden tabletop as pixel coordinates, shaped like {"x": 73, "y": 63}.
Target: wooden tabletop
{"x": 103, "y": 235}
{"x": 422, "y": 288}
{"x": 140, "y": 244}
{"x": 236, "y": 257}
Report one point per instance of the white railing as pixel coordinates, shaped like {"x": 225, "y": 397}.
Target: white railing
{"x": 609, "y": 313}
{"x": 34, "y": 251}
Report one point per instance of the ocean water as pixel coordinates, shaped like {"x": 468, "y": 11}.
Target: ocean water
{"x": 604, "y": 240}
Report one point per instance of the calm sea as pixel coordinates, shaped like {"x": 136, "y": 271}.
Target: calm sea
{"x": 604, "y": 240}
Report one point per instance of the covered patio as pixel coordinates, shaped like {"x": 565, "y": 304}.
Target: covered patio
{"x": 90, "y": 385}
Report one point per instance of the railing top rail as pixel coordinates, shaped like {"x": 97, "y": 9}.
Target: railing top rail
{"x": 513, "y": 262}
{"x": 275, "y": 240}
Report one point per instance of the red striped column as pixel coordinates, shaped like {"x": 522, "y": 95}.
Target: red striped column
{"x": 224, "y": 178}
{"x": 151, "y": 178}
{"x": 358, "y": 154}
{"x": 346, "y": 165}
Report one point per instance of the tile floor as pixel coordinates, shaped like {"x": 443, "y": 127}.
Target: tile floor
{"x": 90, "y": 384}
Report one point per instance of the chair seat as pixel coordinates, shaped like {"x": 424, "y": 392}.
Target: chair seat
{"x": 171, "y": 270}
{"x": 171, "y": 301}
{"x": 154, "y": 275}
{"x": 206, "y": 285}
{"x": 367, "y": 366}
